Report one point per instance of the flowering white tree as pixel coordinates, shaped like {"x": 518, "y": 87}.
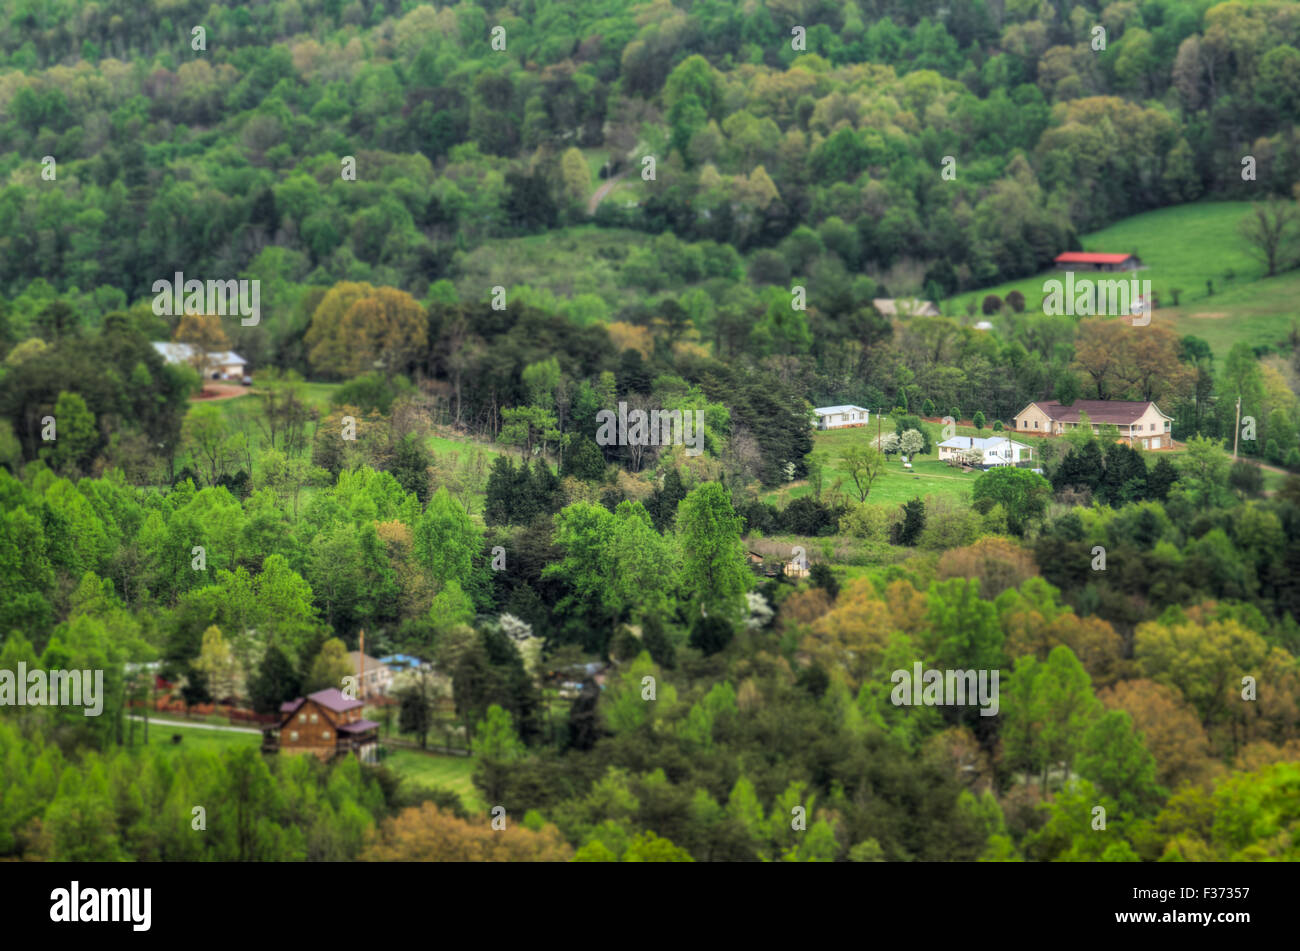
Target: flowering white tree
{"x": 530, "y": 647}
{"x": 760, "y": 612}
{"x": 888, "y": 443}
{"x": 911, "y": 442}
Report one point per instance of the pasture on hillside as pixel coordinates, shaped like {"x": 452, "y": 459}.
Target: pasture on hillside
{"x": 895, "y": 485}
{"x": 1182, "y": 248}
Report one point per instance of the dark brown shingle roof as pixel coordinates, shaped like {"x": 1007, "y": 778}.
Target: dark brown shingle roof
{"x": 1119, "y": 412}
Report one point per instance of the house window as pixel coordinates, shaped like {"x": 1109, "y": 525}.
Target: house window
{"x": 324, "y": 734}
{"x": 1166, "y": 427}
{"x": 1153, "y": 427}
{"x": 293, "y": 735}
{"x": 313, "y": 718}
{"x": 1035, "y": 424}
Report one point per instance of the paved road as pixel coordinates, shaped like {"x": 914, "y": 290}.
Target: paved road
{"x": 196, "y": 726}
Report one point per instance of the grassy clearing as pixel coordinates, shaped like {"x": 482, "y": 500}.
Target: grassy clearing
{"x": 438, "y": 772}
{"x": 192, "y": 737}
{"x": 421, "y": 769}
{"x": 895, "y": 485}
{"x": 1259, "y": 312}
{"x": 1182, "y": 248}
{"x": 457, "y": 447}
{"x": 242, "y": 412}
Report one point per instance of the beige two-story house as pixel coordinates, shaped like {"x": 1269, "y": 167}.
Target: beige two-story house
{"x": 1141, "y": 424}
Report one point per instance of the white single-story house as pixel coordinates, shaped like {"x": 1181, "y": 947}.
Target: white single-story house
{"x": 997, "y": 450}
{"x": 838, "y": 417}
{"x": 218, "y": 365}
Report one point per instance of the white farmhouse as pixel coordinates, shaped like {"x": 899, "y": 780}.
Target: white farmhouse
{"x": 217, "y": 364}
{"x": 996, "y": 450}
{"x": 839, "y": 417}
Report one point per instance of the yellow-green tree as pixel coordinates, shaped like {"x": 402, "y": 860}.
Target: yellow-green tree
{"x": 576, "y": 177}
{"x": 329, "y": 350}
{"x": 383, "y": 330}
{"x": 426, "y": 834}
{"x": 217, "y": 661}
{"x": 330, "y": 667}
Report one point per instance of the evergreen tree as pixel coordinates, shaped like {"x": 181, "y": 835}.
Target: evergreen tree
{"x": 1081, "y": 468}
{"x": 546, "y": 491}
{"x": 526, "y": 505}
{"x": 913, "y": 522}
{"x": 583, "y": 460}
{"x": 275, "y": 682}
{"x": 655, "y": 638}
{"x": 410, "y": 468}
{"x": 498, "y": 506}
{"x": 663, "y": 503}
{"x": 1124, "y": 477}
{"x": 1163, "y": 475}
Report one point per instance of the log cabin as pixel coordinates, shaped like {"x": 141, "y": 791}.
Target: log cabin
{"x": 326, "y": 724}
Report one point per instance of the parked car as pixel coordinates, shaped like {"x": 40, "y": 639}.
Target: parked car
{"x": 246, "y": 381}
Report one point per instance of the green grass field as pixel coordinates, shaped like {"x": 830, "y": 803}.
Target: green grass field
{"x": 447, "y": 444}
{"x": 1183, "y": 247}
{"x": 192, "y": 737}
{"x": 895, "y": 485}
{"x": 442, "y": 772}
{"x": 421, "y": 769}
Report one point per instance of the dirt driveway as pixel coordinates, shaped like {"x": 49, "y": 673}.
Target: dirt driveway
{"x": 220, "y": 391}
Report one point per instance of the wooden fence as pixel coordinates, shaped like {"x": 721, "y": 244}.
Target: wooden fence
{"x": 232, "y": 714}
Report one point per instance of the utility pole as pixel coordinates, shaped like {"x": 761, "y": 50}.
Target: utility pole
{"x": 1236, "y": 429}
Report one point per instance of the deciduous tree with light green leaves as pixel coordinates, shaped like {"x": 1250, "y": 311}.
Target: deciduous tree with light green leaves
{"x": 446, "y": 542}
{"x": 1048, "y": 707}
{"x": 329, "y": 668}
{"x": 1115, "y": 758}
{"x": 713, "y": 559}
{"x": 218, "y": 664}
{"x": 625, "y": 703}
{"x": 75, "y": 435}
{"x": 863, "y": 464}
{"x": 645, "y": 565}
{"x": 1022, "y": 494}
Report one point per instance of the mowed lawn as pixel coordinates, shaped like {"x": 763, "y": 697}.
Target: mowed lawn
{"x": 243, "y": 411}
{"x": 1182, "y": 248}
{"x": 895, "y": 485}
{"x": 420, "y": 769}
{"x": 192, "y": 737}
{"x": 437, "y": 772}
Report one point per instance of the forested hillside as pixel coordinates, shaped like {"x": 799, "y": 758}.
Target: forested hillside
{"x": 469, "y": 244}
